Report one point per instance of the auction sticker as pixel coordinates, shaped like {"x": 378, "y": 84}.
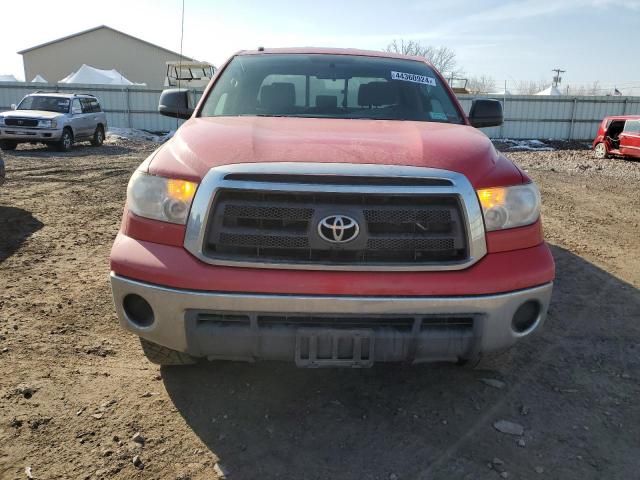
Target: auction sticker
{"x": 438, "y": 116}
{"x": 412, "y": 77}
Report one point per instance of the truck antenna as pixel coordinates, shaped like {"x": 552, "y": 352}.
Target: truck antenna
{"x": 180, "y": 59}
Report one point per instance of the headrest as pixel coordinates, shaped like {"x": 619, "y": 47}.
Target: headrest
{"x": 278, "y": 96}
{"x": 377, "y": 94}
{"x": 326, "y": 102}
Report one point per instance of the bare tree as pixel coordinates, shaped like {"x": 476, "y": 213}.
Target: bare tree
{"x": 578, "y": 91}
{"x": 532, "y": 87}
{"x": 594, "y": 89}
{"x": 585, "y": 90}
{"x": 481, "y": 85}
{"x": 443, "y": 58}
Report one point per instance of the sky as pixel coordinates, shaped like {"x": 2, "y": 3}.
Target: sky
{"x": 512, "y": 41}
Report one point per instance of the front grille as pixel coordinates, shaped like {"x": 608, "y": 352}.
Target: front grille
{"x": 348, "y": 322}
{"x": 282, "y": 227}
{"x": 21, "y": 122}
{"x": 245, "y": 240}
{"x": 401, "y": 323}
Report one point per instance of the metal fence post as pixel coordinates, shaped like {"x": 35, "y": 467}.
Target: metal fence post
{"x": 573, "y": 117}
{"x": 128, "y": 108}
{"x": 504, "y": 110}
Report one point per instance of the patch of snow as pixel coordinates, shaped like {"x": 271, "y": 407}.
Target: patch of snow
{"x": 39, "y": 79}
{"x": 528, "y": 145}
{"x": 139, "y": 135}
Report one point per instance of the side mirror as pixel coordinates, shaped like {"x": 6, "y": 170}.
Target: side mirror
{"x": 13, "y": 106}
{"x": 176, "y": 103}
{"x": 486, "y": 113}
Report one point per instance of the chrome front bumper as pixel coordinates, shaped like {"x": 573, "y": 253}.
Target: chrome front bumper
{"x": 29, "y": 134}
{"x": 175, "y": 328}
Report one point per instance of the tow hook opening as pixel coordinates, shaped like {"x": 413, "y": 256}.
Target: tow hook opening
{"x": 526, "y": 316}
{"x": 138, "y": 310}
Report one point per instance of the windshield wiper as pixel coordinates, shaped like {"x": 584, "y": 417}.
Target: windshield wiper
{"x": 257, "y": 115}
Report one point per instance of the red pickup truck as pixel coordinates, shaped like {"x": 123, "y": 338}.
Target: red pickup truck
{"x": 330, "y": 208}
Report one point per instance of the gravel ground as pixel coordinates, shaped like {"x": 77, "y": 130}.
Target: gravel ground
{"x": 79, "y": 401}
{"x": 579, "y": 163}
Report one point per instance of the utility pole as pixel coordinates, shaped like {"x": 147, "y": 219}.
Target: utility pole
{"x": 557, "y": 79}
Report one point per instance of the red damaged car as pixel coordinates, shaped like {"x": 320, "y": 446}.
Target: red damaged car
{"x": 618, "y": 136}
{"x": 330, "y": 208}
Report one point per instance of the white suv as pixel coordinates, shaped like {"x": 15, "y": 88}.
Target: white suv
{"x": 55, "y": 119}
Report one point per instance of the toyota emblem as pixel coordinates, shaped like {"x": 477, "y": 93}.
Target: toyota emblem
{"x": 338, "y": 229}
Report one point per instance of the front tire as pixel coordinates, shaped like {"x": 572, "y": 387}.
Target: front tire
{"x": 98, "y": 137}
{"x": 8, "y": 144}
{"x": 165, "y": 356}
{"x": 601, "y": 151}
{"x": 66, "y": 141}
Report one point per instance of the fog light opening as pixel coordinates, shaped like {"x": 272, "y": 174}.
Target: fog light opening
{"x": 526, "y": 316}
{"x": 138, "y": 310}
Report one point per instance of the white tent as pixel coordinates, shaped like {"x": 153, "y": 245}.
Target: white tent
{"x": 94, "y": 76}
{"x": 551, "y": 91}
{"x": 39, "y": 79}
{"x": 8, "y": 78}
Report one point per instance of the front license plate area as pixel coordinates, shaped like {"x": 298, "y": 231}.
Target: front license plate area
{"x": 334, "y": 348}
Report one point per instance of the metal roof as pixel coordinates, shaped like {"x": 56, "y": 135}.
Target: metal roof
{"x": 623, "y": 117}
{"x": 60, "y": 94}
{"x": 22, "y": 52}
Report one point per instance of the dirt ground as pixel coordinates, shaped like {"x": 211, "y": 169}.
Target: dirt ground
{"x": 75, "y": 388}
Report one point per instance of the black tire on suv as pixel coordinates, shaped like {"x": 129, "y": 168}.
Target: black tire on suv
{"x": 66, "y": 141}
{"x": 165, "y": 356}
{"x": 8, "y": 144}
{"x": 98, "y": 136}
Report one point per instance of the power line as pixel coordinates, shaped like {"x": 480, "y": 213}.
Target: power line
{"x": 557, "y": 79}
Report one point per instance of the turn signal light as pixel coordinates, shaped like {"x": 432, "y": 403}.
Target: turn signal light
{"x": 181, "y": 190}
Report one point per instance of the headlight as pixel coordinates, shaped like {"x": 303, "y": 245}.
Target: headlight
{"x": 47, "y": 123}
{"x": 159, "y": 198}
{"x": 509, "y": 207}
{"x": 2, "y": 121}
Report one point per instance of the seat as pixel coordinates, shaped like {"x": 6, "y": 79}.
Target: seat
{"x": 277, "y": 98}
{"x": 377, "y": 94}
{"x": 326, "y": 103}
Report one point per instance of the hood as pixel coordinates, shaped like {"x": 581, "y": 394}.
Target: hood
{"x": 39, "y": 114}
{"x": 203, "y": 143}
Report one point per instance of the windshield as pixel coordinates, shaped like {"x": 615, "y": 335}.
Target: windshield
{"x": 330, "y": 86}
{"x": 46, "y": 104}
